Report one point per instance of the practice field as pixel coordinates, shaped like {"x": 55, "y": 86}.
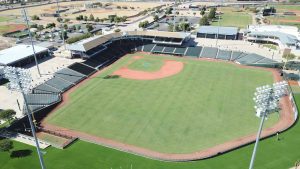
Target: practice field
{"x": 205, "y": 104}
{"x": 232, "y": 18}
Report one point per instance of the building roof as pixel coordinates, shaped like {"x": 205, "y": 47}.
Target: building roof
{"x": 283, "y": 37}
{"x": 17, "y": 53}
{"x": 291, "y": 30}
{"x": 87, "y": 44}
{"x": 218, "y": 30}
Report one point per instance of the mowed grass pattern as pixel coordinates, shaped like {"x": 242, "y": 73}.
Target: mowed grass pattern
{"x": 206, "y": 104}
{"x": 146, "y": 64}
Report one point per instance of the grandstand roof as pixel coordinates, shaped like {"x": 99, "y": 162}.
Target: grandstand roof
{"x": 218, "y": 30}
{"x": 17, "y": 53}
{"x": 95, "y": 41}
{"x": 283, "y": 37}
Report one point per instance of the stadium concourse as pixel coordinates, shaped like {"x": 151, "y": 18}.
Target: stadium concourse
{"x": 101, "y": 51}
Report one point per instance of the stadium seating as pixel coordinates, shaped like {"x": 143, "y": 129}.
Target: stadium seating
{"x": 224, "y": 54}
{"x": 158, "y": 49}
{"x": 44, "y": 88}
{"x": 249, "y": 58}
{"x": 42, "y": 99}
{"x": 235, "y": 55}
{"x": 148, "y": 47}
{"x": 169, "y": 50}
{"x": 59, "y": 84}
{"x": 69, "y": 75}
{"x": 209, "y": 52}
{"x": 179, "y": 51}
{"x": 81, "y": 68}
{"x": 193, "y": 51}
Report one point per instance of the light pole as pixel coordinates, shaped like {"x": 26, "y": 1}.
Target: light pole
{"x": 20, "y": 80}
{"x": 31, "y": 39}
{"x": 266, "y": 100}
{"x": 61, "y": 25}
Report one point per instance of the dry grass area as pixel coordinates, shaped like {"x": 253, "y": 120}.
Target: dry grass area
{"x": 139, "y": 6}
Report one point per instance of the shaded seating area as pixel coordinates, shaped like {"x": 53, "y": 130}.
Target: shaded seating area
{"x": 224, "y": 54}
{"x": 42, "y": 99}
{"x": 179, "y": 51}
{"x": 193, "y": 51}
{"x": 39, "y": 101}
{"x": 59, "y": 84}
{"x": 158, "y": 49}
{"x": 169, "y": 50}
{"x": 250, "y": 58}
{"x": 44, "y": 88}
{"x": 148, "y": 47}
{"x": 69, "y": 75}
{"x": 235, "y": 55}
{"x": 81, "y": 68}
{"x": 209, "y": 52}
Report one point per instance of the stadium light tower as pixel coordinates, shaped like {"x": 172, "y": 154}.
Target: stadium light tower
{"x": 61, "y": 25}
{"x": 24, "y": 13}
{"x": 20, "y": 80}
{"x": 266, "y": 100}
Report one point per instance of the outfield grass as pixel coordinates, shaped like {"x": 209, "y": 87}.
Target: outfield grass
{"x": 179, "y": 114}
{"x": 272, "y": 154}
{"x": 235, "y": 19}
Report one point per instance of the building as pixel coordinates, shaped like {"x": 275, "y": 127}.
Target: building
{"x": 21, "y": 55}
{"x": 283, "y": 36}
{"x": 215, "y": 32}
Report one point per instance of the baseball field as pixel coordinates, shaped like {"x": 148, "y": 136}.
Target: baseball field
{"x": 196, "y": 105}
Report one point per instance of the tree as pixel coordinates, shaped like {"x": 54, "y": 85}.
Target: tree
{"x": 169, "y": 11}
{"x": 117, "y": 30}
{"x": 170, "y": 27}
{"x": 124, "y": 7}
{"x": 64, "y": 33}
{"x": 117, "y": 19}
{"x": 204, "y": 20}
{"x": 33, "y": 26}
{"x": 80, "y": 17}
{"x": 89, "y": 27}
{"x": 118, "y": 7}
{"x": 202, "y": 12}
{"x": 97, "y": 20}
{"x": 7, "y": 115}
{"x": 212, "y": 13}
{"x": 35, "y": 17}
{"x": 66, "y": 20}
{"x": 184, "y": 26}
{"x": 177, "y": 13}
{"x": 91, "y": 17}
{"x": 73, "y": 27}
{"x": 40, "y": 27}
{"x": 155, "y": 18}
{"x": 78, "y": 27}
{"x": 143, "y": 24}
{"x": 59, "y": 19}
{"x": 65, "y": 26}
{"x": 85, "y": 18}
{"x": 288, "y": 57}
{"x": 50, "y": 25}
{"x": 6, "y": 145}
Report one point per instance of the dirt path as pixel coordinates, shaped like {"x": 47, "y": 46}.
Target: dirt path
{"x": 286, "y": 121}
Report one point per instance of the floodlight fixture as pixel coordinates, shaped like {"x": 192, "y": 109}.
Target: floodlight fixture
{"x": 20, "y": 80}
{"x": 266, "y": 100}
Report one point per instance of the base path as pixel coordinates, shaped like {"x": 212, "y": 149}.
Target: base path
{"x": 285, "y": 122}
{"x": 170, "y": 68}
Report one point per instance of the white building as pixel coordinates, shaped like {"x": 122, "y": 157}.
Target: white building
{"x": 283, "y": 36}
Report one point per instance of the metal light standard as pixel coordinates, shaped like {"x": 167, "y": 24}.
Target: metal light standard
{"x": 20, "y": 80}
{"x": 61, "y": 25}
{"x": 24, "y": 13}
{"x": 266, "y": 100}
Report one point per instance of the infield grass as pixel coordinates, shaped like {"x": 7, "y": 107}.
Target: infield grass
{"x": 206, "y": 104}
